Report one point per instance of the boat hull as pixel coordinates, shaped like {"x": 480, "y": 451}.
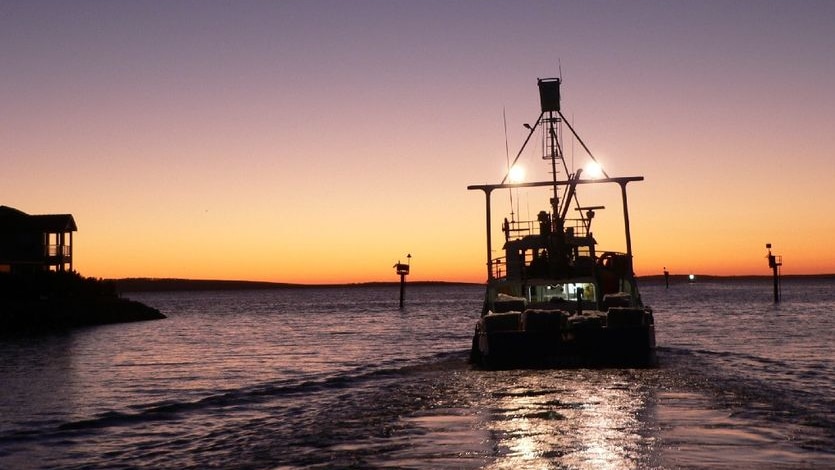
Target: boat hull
{"x": 624, "y": 346}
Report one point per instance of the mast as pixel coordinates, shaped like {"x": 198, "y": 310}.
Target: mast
{"x": 549, "y": 100}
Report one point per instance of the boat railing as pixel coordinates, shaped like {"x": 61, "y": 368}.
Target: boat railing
{"x": 518, "y": 229}
{"x": 576, "y": 227}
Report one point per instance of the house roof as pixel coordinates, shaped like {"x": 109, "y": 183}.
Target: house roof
{"x": 12, "y": 219}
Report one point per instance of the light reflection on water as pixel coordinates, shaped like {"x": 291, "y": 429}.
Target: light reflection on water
{"x": 590, "y": 421}
{"x": 584, "y": 419}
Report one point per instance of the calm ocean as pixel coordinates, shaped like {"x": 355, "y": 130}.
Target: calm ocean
{"x": 340, "y": 377}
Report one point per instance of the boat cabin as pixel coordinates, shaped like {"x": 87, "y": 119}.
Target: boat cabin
{"x": 552, "y": 262}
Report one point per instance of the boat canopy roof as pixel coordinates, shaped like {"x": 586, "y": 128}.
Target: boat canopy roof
{"x": 533, "y": 184}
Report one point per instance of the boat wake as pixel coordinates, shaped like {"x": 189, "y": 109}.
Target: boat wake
{"x": 769, "y": 393}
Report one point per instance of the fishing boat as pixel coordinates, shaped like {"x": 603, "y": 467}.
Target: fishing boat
{"x": 553, "y": 297}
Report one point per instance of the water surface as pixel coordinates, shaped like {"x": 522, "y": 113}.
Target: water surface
{"x": 336, "y": 377}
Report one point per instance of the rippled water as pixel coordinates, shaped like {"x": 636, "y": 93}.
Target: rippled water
{"x": 339, "y": 377}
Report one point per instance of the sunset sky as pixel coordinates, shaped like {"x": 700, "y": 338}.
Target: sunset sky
{"x": 322, "y": 141}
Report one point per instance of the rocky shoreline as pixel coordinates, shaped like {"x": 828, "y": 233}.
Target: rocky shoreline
{"x": 52, "y": 301}
{"x": 42, "y": 315}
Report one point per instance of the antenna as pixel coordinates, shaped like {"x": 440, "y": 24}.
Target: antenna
{"x": 507, "y": 159}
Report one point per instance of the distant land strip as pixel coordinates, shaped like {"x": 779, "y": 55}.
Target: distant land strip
{"x": 165, "y": 284}
{"x": 171, "y": 284}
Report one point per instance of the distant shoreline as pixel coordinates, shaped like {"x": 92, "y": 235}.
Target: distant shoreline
{"x": 173, "y": 284}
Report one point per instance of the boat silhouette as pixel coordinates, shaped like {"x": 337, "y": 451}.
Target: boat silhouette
{"x": 553, "y": 298}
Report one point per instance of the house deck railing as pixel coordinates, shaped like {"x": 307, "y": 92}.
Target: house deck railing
{"x": 58, "y": 250}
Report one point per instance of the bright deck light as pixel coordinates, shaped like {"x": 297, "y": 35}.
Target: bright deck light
{"x": 516, "y": 174}
{"x": 593, "y": 170}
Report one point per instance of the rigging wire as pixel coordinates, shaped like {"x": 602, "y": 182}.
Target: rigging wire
{"x": 524, "y": 144}
{"x": 585, "y": 147}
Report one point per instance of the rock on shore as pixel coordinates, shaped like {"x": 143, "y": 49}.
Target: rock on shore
{"x": 57, "y": 314}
